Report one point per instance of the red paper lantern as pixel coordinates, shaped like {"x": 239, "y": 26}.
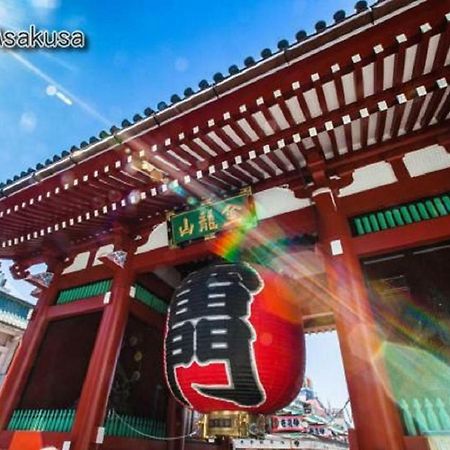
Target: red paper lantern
{"x": 234, "y": 340}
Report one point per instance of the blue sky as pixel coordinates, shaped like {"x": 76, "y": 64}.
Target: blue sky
{"x": 139, "y": 53}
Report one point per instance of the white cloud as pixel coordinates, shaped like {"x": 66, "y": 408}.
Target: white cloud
{"x": 28, "y": 122}
{"x": 181, "y": 64}
{"x": 11, "y": 14}
{"x": 45, "y": 4}
{"x": 51, "y": 90}
{"x": 44, "y": 9}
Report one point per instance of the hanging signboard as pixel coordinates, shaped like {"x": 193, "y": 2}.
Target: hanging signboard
{"x": 211, "y": 218}
{"x": 282, "y": 424}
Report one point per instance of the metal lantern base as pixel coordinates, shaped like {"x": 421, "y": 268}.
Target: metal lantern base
{"x": 233, "y": 424}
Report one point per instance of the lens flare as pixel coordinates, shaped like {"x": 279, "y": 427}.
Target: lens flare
{"x": 403, "y": 350}
{"x": 64, "y": 95}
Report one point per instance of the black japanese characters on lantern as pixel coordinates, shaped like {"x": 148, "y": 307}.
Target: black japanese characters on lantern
{"x": 208, "y": 322}
{"x": 229, "y": 340}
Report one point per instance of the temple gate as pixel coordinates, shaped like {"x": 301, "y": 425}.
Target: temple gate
{"x": 341, "y": 141}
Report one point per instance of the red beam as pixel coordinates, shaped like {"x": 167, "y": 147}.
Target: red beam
{"x": 241, "y": 134}
{"x": 396, "y": 193}
{"x": 76, "y": 308}
{"x": 303, "y": 106}
{"x": 292, "y": 223}
{"x": 348, "y": 138}
{"x": 269, "y": 117}
{"x": 84, "y": 276}
{"x": 164, "y": 256}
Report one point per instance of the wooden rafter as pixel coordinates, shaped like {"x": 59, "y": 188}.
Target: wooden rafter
{"x": 421, "y": 52}
{"x": 397, "y": 119}
{"x": 247, "y": 112}
{"x": 393, "y": 147}
{"x": 444, "y": 110}
{"x": 381, "y": 122}
{"x": 399, "y": 61}
{"x": 352, "y": 110}
{"x": 436, "y": 98}
{"x": 378, "y": 68}
{"x": 443, "y": 45}
{"x": 417, "y": 103}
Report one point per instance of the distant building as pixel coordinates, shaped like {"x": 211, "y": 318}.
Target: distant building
{"x": 14, "y": 314}
{"x": 307, "y": 415}
{"x": 307, "y": 391}
{"x": 306, "y": 401}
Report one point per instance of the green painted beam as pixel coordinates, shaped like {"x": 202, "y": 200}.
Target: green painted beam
{"x": 401, "y": 215}
{"x": 84, "y": 291}
{"x": 152, "y": 301}
{"x": 42, "y": 420}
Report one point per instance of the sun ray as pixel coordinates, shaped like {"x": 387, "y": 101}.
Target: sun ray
{"x": 49, "y": 80}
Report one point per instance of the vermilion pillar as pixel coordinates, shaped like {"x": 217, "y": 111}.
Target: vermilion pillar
{"x": 95, "y": 392}
{"x": 18, "y": 373}
{"x": 377, "y": 422}
{"x": 175, "y": 425}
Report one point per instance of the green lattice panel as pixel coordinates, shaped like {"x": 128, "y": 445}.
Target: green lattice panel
{"x": 133, "y": 426}
{"x": 42, "y": 420}
{"x": 149, "y": 299}
{"x": 401, "y": 215}
{"x": 83, "y": 292}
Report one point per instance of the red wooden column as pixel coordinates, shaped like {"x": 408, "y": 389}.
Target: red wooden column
{"x": 175, "y": 424}
{"x": 15, "y": 381}
{"x": 94, "y": 395}
{"x": 377, "y": 422}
